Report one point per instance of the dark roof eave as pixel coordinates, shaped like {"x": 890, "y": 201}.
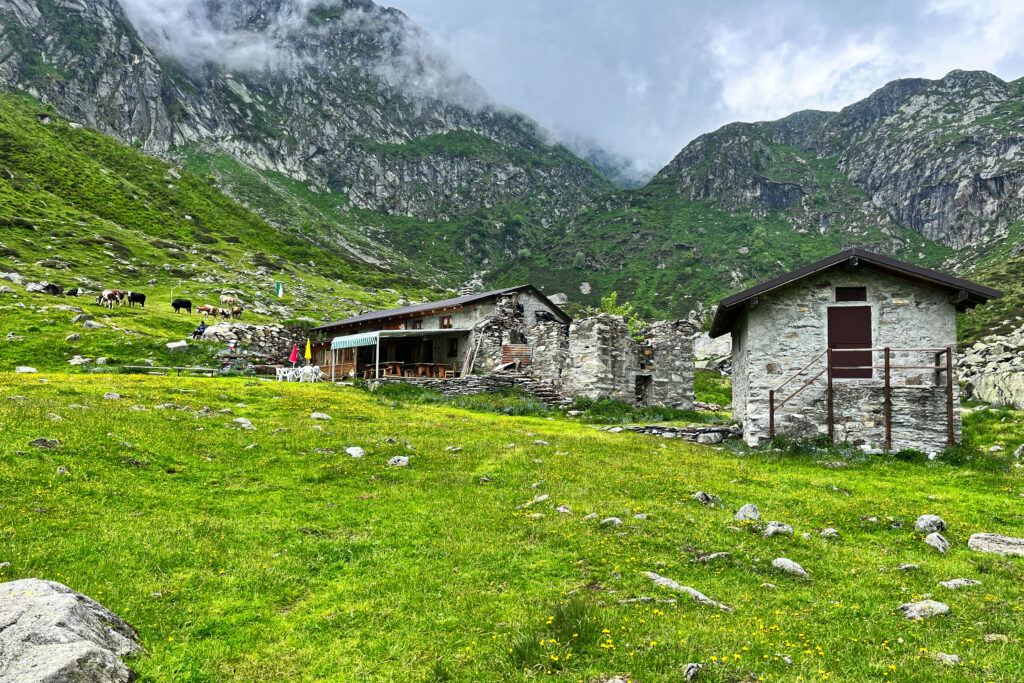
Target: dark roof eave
{"x": 731, "y": 308}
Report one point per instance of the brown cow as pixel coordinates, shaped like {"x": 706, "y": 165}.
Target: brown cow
{"x": 207, "y": 310}
{"x": 237, "y": 311}
{"x": 227, "y": 300}
{"x": 108, "y": 297}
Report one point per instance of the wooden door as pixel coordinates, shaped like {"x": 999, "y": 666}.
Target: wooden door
{"x": 849, "y": 327}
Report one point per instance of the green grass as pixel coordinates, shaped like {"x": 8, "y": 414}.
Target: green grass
{"x": 293, "y": 561}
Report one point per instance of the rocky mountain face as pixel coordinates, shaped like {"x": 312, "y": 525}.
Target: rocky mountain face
{"x": 343, "y": 96}
{"x": 941, "y": 158}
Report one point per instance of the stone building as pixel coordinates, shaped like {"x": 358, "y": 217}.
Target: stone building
{"x": 848, "y": 309}
{"x": 595, "y": 357}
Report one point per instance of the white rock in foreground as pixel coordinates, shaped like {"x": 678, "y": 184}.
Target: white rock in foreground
{"x": 666, "y": 582}
{"x": 319, "y": 416}
{"x": 994, "y": 543}
{"x": 776, "y": 529}
{"x": 747, "y": 513}
{"x": 399, "y": 461}
{"x": 355, "y": 451}
{"x": 937, "y": 541}
{"x": 24, "y": 369}
{"x": 924, "y": 609}
{"x": 790, "y": 567}
{"x": 51, "y": 633}
{"x": 929, "y": 524}
{"x": 954, "y": 584}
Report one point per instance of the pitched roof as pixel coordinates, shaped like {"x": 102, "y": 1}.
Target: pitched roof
{"x": 428, "y": 306}
{"x": 732, "y": 307}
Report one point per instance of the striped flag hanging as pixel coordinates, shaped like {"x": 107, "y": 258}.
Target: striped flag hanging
{"x": 280, "y": 290}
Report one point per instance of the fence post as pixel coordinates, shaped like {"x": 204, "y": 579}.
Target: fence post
{"x": 888, "y": 404}
{"x": 831, "y": 420}
{"x": 771, "y": 413}
{"x": 949, "y": 395}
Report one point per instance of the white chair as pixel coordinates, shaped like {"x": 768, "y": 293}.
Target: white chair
{"x": 282, "y": 374}
{"x": 306, "y": 374}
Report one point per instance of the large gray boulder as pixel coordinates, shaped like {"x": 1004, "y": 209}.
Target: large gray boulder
{"x": 747, "y": 513}
{"x": 994, "y": 543}
{"x": 929, "y": 524}
{"x": 52, "y": 634}
{"x": 998, "y": 388}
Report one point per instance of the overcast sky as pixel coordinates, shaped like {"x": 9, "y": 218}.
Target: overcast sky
{"x": 644, "y": 77}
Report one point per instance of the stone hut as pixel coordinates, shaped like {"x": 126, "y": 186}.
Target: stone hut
{"x": 858, "y": 346}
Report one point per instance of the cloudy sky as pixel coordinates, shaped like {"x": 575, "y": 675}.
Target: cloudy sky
{"x": 643, "y": 78}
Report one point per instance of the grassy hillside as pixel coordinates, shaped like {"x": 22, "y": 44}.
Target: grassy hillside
{"x": 82, "y": 210}
{"x": 293, "y": 561}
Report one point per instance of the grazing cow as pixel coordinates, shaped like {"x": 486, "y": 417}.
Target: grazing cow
{"x": 72, "y": 292}
{"x": 136, "y": 298}
{"x": 179, "y": 304}
{"x": 236, "y": 312}
{"x": 107, "y": 297}
{"x": 207, "y": 310}
{"x": 227, "y": 300}
{"x": 225, "y": 313}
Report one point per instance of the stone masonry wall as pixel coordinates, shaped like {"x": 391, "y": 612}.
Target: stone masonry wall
{"x": 787, "y": 328}
{"x": 602, "y": 360}
{"x": 272, "y": 340}
{"x": 667, "y": 352}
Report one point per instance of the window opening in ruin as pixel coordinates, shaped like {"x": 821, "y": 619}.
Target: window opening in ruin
{"x": 643, "y": 387}
{"x": 851, "y": 293}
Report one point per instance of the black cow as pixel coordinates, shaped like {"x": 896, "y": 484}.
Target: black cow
{"x": 136, "y": 298}
{"x": 72, "y": 292}
{"x": 179, "y": 304}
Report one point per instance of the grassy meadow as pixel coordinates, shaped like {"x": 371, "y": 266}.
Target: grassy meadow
{"x": 291, "y": 560}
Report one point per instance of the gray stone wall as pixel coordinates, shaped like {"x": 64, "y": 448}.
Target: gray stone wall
{"x": 667, "y": 353}
{"x": 268, "y": 340}
{"x": 787, "y": 328}
{"x": 603, "y": 361}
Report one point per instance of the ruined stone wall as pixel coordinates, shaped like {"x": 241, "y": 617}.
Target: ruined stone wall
{"x": 667, "y": 352}
{"x": 787, "y": 328}
{"x": 740, "y": 378}
{"x": 503, "y": 325}
{"x": 602, "y": 359}
{"x": 274, "y": 341}
{"x": 550, "y": 350}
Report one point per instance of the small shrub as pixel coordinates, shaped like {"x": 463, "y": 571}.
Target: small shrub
{"x": 360, "y": 383}
{"x": 910, "y": 455}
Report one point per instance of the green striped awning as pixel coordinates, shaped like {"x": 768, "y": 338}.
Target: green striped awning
{"x": 351, "y": 340}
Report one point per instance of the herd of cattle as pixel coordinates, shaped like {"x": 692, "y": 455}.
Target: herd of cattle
{"x": 227, "y": 309}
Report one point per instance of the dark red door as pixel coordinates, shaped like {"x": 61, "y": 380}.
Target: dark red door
{"x": 849, "y": 327}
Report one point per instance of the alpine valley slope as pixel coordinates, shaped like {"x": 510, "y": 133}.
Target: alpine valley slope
{"x": 336, "y": 120}
{"x": 929, "y": 171}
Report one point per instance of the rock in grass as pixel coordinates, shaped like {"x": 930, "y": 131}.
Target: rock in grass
{"x": 242, "y": 423}
{"x": 319, "y": 416}
{"x": 948, "y": 660}
{"x": 399, "y": 461}
{"x": 994, "y": 543}
{"x": 908, "y": 567}
{"x": 692, "y": 670}
{"x": 829, "y": 533}
{"x": 538, "y": 499}
{"x": 707, "y": 499}
{"x": 45, "y": 443}
{"x": 710, "y": 438}
{"x": 356, "y": 451}
{"x": 592, "y": 515}
{"x": 929, "y": 524}
{"x": 996, "y": 638}
{"x": 564, "y": 509}
{"x": 777, "y": 529}
{"x": 666, "y": 582}
{"x": 92, "y": 325}
{"x": 25, "y": 370}
{"x": 955, "y": 584}
{"x": 704, "y": 559}
{"x": 52, "y": 633}
{"x": 924, "y": 609}
{"x": 937, "y": 541}
{"x": 177, "y": 346}
{"x": 112, "y": 396}
{"x": 747, "y": 513}
{"x": 73, "y": 337}
{"x": 790, "y": 567}
{"x": 540, "y": 442}
{"x": 611, "y": 521}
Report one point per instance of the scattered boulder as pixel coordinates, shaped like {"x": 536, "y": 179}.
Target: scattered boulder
{"x": 937, "y": 541}
{"x": 79, "y": 360}
{"x": 908, "y": 567}
{"x": 92, "y": 325}
{"x": 319, "y": 416}
{"x": 52, "y": 633}
{"x": 707, "y": 499}
{"x": 995, "y": 543}
{"x": 564, "y": 509}
{"x": 790, "y": 567}
{"x": 355, "y": 451}
{"x": 242, "y": 423}
{"x": 924, "y": 609}
{"x": 25, "y": 370}
{"x": 692, "y": 670}
{"x": 44, "y": 287}
{"x": 747, "y": 513}
{"x": 948, "y": 660}
{"x": 177, "y": 346}
{"x": 710, "y": 438}
{"x": 399, "y": 461}
{"x": 955, "y": 584}
{"x": 592, "y": 515}
{"x": 81, "y": 318}
{"x": 540, "y": 442}
{"x": 666, "y": 582}
{"x": 927, "y": 524}
{"x": 112, "y": 396}
{"x": 704, "y": 559}
{"x": 776, "y": 529}
{"x": 829, "y": 533}
{"x": 611, "y": 521}
{"x": 45, "y": 443}
{"x": 996, "y": 638}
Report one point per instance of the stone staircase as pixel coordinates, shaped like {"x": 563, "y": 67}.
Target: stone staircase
{"x": 542, "y": 389}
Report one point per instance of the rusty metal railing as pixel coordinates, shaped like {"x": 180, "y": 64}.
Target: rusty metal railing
{"x": 939, "y": 367}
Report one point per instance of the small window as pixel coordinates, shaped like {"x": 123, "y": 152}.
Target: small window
{"x": 453, "y": 348}
{"x": 851, "y": 293}
{"x": 446, "y": 322}
{"x": 416, "y": 325}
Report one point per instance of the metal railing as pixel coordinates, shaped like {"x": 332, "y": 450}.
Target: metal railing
{"x": 938, "y": 367}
